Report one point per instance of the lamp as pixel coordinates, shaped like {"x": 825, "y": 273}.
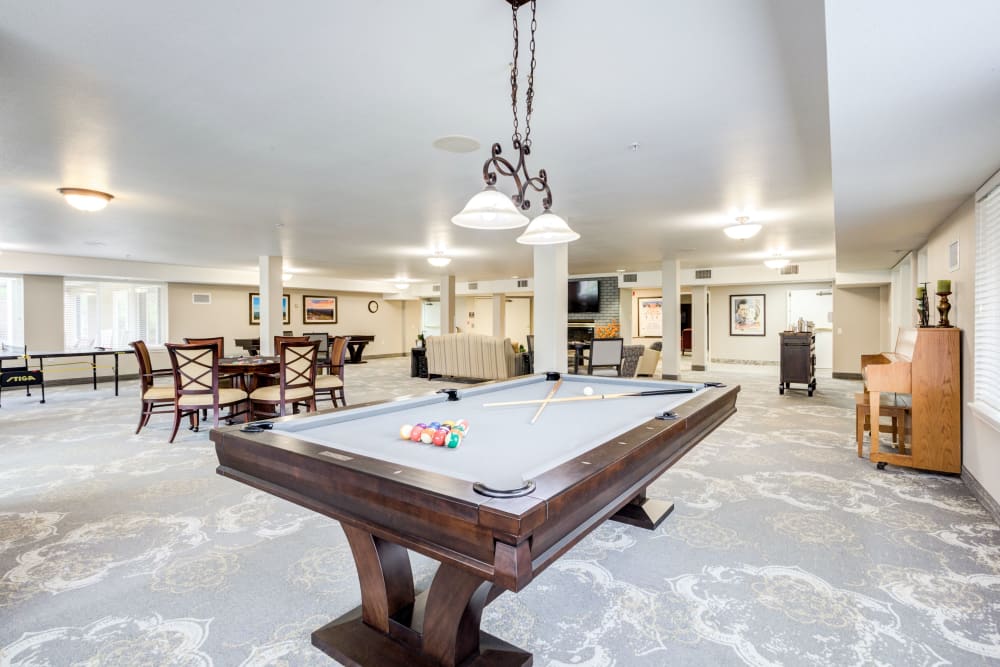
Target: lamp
{"x": 85, "y": 200}
{"x": 438, "y": 259}
{"x": 491, "y": 209}
{"x": 547, "y": 229}
{"x": 776, "y": 263}
{"x": 742, "y": 230}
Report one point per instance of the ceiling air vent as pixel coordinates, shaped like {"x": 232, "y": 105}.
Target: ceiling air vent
{"x": 702, "y": 274}
{"x": 790, "y": 270}
{"x": 630, "y": 277}
{"x": 473, "y": 285}
{"x": 436, "y": 288}
{"x": 201, "y": 298}
{"x": 522, "y": 283}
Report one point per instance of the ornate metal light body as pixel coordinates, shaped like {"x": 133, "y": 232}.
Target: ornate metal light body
{"x": 491, "y": 209}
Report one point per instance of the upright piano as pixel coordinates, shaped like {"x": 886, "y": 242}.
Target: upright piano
{"x": 927, "y": 365}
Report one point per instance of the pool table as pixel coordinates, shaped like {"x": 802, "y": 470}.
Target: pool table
{"x": 583, "y": 461}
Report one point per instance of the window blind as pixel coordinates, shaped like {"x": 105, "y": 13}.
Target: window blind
{"x": 111, "y": 313}
{"x": 987, "y": 339}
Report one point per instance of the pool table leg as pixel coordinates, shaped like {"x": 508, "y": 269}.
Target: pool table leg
{"x": 644, "y": 512}
{"x": 394, "y": 627}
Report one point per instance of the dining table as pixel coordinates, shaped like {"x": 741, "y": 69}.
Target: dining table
{"x": 577, "y": 348}
{"x": 252, "y": 371}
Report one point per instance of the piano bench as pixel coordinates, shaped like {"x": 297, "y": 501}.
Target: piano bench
{"x": 889, "y": 406}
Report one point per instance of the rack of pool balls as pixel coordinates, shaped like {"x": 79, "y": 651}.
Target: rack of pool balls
{"x": 443, "y": 434}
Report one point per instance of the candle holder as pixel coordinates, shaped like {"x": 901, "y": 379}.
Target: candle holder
{"x": 943, "y": 308}
{"x": 924, "y": 308}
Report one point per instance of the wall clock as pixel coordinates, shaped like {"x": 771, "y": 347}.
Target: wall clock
{"x": 373, "y": 306}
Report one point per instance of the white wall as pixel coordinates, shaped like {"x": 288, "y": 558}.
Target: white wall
{"x": 751, "y": 348}
{"x": 980, "y": 441}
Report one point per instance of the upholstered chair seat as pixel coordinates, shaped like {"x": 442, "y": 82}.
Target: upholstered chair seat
{"x": 328, "y": 382}
{"x": 159, "y": 394}
{"x": 227, "y": 396}
{"x": 272, "y": 393}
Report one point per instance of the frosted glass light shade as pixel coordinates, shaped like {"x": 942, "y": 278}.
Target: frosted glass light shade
{"x": 547, "y": 229}
{"x": 776, "y": 263}
{"x": 438, "y": 260}
{"x": 490, "y": 209}
{"x": 85, "y": 200}
{"x": 742, "y": 231}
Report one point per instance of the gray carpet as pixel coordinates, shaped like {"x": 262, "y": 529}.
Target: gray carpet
{"x": 785, "y": 548}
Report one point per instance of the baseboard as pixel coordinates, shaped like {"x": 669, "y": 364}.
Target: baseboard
{"x": 745, "y": 362}
{"x": 101, "y": 379}
{"x": 668, "y": 376}
{"x": 846, "y": 376}
{"x": 988, "y": 501}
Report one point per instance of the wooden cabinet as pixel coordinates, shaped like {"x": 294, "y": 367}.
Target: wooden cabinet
{"x": 798, "y": 361}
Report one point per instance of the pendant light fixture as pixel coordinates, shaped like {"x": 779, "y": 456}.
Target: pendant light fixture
{"x": 491, "y": 209}
{"x": 83, "y": 199}
{"x": 743, "y": 229}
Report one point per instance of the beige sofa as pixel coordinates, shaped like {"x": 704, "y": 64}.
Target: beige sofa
{"x": 470, "y": 356}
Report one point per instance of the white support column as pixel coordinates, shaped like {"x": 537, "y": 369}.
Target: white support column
{"x": 699, "y": 328}
{"x": 671, "y": 319}
{"x": 270, "y": 302}
{"x": 625, "y": 314}
{"x": 500, "y": 315}
{"x": 447, "y": 304}
{"x": 550, "y": 307}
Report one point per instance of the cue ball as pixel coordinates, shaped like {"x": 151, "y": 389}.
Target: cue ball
{"x": 588, "y": 391}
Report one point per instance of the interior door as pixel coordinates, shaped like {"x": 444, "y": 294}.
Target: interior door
{"x": 815, "y": 305}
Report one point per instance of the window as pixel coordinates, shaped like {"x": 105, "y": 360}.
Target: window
{"x": 987, "y": 336}
{"x": 11, "y": 311}
{"x": 112, "y": 314}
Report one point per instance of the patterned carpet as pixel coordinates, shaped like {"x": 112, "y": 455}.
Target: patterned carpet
{"x": 784, "y": 549}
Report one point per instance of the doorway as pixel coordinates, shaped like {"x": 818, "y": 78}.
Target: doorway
{"x": 815, "y": 305}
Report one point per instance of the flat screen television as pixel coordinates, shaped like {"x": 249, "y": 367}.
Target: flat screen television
{"x": 585, "y": 296}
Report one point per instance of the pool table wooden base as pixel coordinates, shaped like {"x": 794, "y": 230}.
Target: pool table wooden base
{"x": 644, "y": 512}
{"x": 350, "y": 641}
{"x": 393, "y": 626}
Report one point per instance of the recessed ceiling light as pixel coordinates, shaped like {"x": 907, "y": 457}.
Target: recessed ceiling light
{"x": 456, "y": 143}
{"x": 83, "y": 199}
{"x": 401, "y": 286}
{"x": 776, "y": 263}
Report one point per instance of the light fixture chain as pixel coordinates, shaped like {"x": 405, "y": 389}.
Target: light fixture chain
{"x": 529, "y": 96}
{"x": 516, "y": 137}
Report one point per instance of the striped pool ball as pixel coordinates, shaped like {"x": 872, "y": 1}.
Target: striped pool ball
{"x": 427, "y": 436}
{"x": 454, "y": 439}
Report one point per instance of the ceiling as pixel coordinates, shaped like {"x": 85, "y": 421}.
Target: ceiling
{"x": 228, "y": 130}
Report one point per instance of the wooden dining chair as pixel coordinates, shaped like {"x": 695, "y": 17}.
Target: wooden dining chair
{"x": 156, "y": 399}
{"x": 332, "y": 382}
{"x": 226, "y": 380}
{"x": 296, "y": 382}
{"x": 196, "y": 384}
{"x": 323, "y": 353}
{"x": 278, "y": 340}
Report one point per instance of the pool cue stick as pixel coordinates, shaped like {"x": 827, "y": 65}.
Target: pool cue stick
{"x": 595, "y": 397}
{"x": 548, "y": 398}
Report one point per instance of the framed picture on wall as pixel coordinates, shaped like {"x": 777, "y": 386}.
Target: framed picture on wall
{"x": 747, "y": 315}
{"x": 319, "y": 309}
{"x": 651, "y": 317}
{"x": 286, "y": 317}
